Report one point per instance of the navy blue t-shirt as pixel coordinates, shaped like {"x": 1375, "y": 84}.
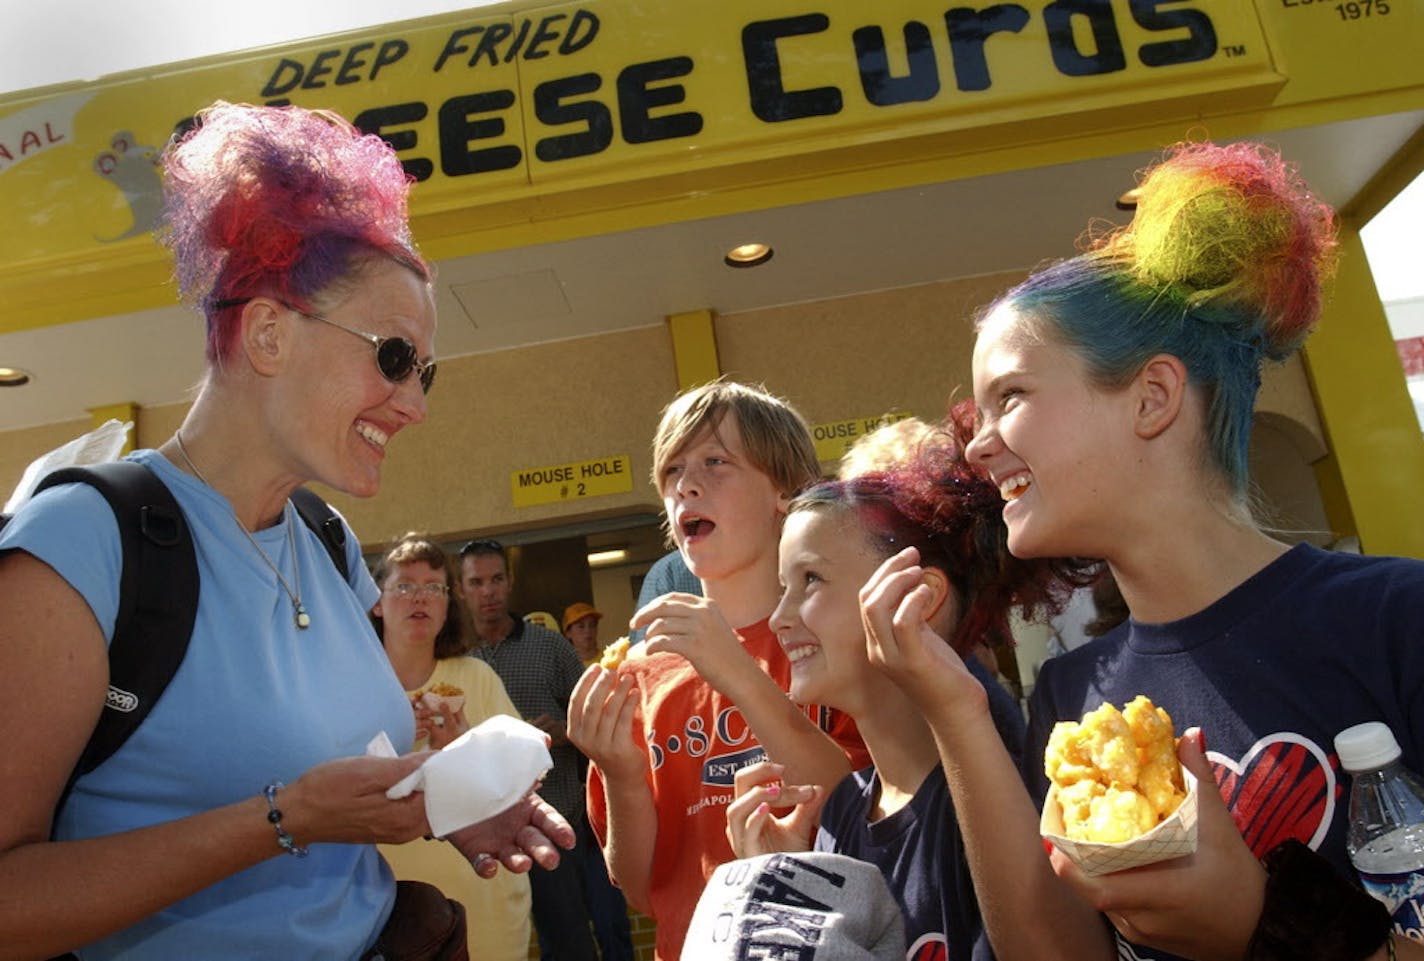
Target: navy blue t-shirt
{"x": 920, "y": 851}
{"x": 1312, "y": 644}
{"x": 1004, "y": 709}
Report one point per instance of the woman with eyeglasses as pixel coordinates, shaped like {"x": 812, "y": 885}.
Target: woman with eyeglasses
{"x": 421, "y": 622}
{"x": 241, "y": 819}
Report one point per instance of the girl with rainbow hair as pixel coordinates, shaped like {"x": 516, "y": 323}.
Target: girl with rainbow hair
{"x": 1115, "y": 393}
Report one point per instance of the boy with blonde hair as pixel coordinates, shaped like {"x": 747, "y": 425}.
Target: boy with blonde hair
{"x": 699, "y": 700}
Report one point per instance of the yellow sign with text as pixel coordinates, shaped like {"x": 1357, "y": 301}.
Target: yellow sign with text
{"x": 834, "y": 439}
{"x": 535, "y": 486}
{"x": 526, "y": 112}
{"x": 505, "y": 107}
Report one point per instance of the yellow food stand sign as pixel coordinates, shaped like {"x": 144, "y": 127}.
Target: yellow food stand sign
{"x": 557, "y": 483}
{"x": 524, "y": 113}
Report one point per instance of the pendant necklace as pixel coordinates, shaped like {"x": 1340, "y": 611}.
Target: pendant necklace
{"x": 299, "y": 613}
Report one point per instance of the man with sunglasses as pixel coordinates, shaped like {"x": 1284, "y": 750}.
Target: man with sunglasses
{"x": 539, "y": 670}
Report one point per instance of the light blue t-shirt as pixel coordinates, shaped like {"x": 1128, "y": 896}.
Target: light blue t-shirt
{"x": 256, "y": 700}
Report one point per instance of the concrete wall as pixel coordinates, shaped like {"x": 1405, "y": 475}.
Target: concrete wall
{"x": 493, "y": 414}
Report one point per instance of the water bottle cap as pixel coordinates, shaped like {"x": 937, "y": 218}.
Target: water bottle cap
{"x": 1367, "y": 746}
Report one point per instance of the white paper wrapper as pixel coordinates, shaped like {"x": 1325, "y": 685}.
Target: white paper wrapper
{"x": 1173, "y": 838}
{"x": 479, "y": 774}
{"x": 102, "y": 444}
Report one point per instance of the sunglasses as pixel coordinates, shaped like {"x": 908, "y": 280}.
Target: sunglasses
{"x": 395, "y": 356}
{"x": 482, "y": 546}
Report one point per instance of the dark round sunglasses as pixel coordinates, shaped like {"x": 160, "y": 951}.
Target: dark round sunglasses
{"x": 395, "y": 356}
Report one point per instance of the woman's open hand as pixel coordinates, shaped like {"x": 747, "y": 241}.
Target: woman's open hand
{"x": 528, "y": 833}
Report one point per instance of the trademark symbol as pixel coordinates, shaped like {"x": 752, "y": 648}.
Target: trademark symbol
{"x": 1235, "y": 50}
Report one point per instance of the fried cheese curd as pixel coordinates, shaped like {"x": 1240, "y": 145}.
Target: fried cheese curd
{"x": 615, "y": 654}
{"x": 1115, "y": 774}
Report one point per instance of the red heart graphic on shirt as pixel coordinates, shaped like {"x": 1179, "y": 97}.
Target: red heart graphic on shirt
{"x": 1284, "y": 787}
{"x": 930, "y": 947}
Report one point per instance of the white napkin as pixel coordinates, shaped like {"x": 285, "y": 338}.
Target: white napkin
{"x": 476, "y": 776}
{"x": 103, "y": 443}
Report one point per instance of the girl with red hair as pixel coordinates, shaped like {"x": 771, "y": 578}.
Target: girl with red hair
{"x": 897, "y": 813}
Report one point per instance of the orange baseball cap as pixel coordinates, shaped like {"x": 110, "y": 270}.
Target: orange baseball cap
{"x": 577, "y": 612}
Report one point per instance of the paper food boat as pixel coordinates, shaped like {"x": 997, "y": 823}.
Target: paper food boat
{"x": 1173, "y": 838}
{"x": 456, "y": 702}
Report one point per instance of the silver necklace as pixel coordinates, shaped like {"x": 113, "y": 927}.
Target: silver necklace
{"x": 299, "y": 613}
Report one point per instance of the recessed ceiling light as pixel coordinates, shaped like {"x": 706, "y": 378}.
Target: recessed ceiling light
{"x": 1128, "y": 201}
{"x": 13, "y": 377}
{"x": 748, "y": 255}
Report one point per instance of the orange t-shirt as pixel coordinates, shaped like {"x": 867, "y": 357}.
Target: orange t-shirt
{"x": 697, "y": 740}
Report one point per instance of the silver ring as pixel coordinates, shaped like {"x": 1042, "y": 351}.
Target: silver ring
{"x": 480, "y": 859}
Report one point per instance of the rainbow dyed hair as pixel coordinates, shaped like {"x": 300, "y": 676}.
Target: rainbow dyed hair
{"x": 279, "y": 201}
{"x": 1222, "y": 266}
{"x": 946, "y": 508}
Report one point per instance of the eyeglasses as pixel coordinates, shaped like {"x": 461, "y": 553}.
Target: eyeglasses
{"x": 395, "y": 356}
{"x": 407, "y": 589}
{"x": 482, "y": 546}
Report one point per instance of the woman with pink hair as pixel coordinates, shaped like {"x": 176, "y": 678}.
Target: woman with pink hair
{"x": 240, "y": 819}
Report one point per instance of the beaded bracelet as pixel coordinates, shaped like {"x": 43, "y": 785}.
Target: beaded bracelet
{"x": 274, "y": 817}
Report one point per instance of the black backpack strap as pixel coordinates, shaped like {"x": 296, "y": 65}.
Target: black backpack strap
{"x": 158, "y": 599}
{"x": 318, "y": 515}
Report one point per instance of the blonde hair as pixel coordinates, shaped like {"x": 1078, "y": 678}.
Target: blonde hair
{"x": 776, "y": 440}
{"x": 885, "y": 448}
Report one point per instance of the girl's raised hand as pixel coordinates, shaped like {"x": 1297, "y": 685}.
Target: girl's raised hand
{"x": 751, "y": 827}
{"x": 894, "y": 609}
{"x": 601, "y": 712}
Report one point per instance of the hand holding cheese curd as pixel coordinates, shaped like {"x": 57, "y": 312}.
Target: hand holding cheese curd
{"x": 615, "y": 654}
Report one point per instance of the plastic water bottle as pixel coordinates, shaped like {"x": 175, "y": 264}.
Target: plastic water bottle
{"x": 1386, "y": 835}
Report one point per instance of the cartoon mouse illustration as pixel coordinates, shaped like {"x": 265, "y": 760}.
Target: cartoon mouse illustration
{"x": 133, "y": 167}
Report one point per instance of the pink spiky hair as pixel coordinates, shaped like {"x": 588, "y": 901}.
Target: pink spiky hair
{"x": 278, "y": 200}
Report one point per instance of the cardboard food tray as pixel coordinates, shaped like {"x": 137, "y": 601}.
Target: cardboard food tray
{"x": 1173, "y": 838}
{"x": 433, "y": 701}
